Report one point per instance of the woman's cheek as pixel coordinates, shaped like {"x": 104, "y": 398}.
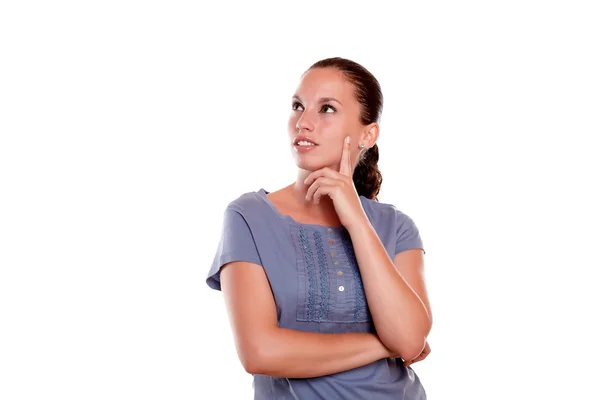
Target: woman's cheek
{"x": 292, "y": 124}
{"x": 327, "y": 124}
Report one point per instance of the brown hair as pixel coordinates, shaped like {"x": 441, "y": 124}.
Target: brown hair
{"x": 367, "y": 177}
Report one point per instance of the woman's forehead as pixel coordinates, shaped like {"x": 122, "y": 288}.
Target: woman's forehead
{"x": 324, "y": 82}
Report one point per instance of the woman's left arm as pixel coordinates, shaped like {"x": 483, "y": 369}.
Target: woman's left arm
{"x": 395, "y": 291}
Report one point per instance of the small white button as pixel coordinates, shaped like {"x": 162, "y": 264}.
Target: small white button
{"x": 328, "y": 229}
{"x": 341, "y": 288}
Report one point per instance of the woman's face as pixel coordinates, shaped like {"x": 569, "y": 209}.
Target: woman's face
{"x": 325, "y": 110}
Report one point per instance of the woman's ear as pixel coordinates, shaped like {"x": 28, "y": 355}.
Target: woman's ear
{"x": 371, "y": 134}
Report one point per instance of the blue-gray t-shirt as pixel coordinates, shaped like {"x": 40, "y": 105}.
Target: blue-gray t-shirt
{"x": 316, "y": 283}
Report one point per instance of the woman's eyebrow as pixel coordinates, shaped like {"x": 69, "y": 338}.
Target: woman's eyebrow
{"x": 321, "y": 100}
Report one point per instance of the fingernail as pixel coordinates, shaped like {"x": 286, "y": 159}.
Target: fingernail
{"x": 347, "y": 139}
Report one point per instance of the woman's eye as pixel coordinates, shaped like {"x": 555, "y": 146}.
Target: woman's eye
{"x": 328, "y": 106}
{"x": 325, "y": 106}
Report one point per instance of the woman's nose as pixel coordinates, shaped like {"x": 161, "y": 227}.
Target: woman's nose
{"x": 304, "y": 123}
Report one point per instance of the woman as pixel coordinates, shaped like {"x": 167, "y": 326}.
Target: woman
{"x": 323, "y": 283}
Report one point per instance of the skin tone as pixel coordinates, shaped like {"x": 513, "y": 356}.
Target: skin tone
{"x": 324, "y": 194}
{"x": 327, "y": 123}
{"x": 321, "y": 193}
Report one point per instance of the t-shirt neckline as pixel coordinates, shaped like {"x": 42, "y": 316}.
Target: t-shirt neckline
{"x": 263, "y": 195}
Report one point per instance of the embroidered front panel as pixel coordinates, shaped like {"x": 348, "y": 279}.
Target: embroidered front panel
{"x": 310, "y": 274}
{"x": 361, "y": 309}
{"x": 323, "y": 276}
{"x": 329, "y": 284}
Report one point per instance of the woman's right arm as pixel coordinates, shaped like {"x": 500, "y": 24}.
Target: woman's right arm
{"x": 265, "y": 348}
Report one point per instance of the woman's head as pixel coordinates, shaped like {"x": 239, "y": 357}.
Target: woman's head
{"x": 336, "y": 98}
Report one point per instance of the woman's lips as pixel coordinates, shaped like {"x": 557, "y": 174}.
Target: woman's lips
{"x": 304, "y": 149}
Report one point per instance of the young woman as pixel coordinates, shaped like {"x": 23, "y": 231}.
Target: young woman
{"x": 323, "y": 283}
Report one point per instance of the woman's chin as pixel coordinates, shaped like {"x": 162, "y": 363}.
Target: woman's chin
{"x": 310, "y": 161}
{"x": 309, "y": 165}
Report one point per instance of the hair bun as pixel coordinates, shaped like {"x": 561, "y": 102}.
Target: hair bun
{"x": 367, "y": 177}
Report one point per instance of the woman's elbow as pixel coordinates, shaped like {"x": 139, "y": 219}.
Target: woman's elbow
{"x": 255, "y": 358}
{"x": 251, "y": 359}
{"x": 411, "y": 354}
{"x": 408, "y": 351}
{"x": 249, "y": 363}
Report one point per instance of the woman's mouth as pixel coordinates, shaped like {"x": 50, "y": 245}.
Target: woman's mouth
{"x": 302, "y": 146}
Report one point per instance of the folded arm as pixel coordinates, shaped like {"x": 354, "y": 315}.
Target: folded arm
{"x": 395, "y": 290}
{"x": 265, "y": 348}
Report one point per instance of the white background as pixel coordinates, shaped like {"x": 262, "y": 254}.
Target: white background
{"x": 126, "y": 128}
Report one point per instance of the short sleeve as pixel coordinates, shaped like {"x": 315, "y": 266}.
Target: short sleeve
{"x": 407, "y": 234}
{"x": 236, "y": 244}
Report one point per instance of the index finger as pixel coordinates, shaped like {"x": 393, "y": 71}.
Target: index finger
{"x": 345, "y": 166}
